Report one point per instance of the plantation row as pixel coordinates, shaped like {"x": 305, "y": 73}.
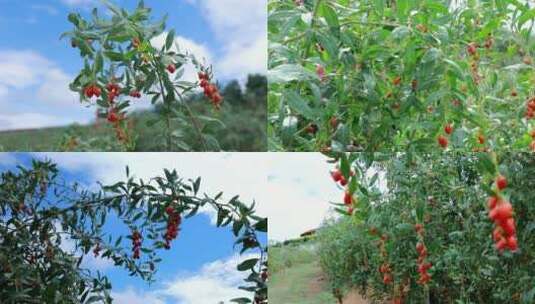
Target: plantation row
{"x": 455, "y": 228}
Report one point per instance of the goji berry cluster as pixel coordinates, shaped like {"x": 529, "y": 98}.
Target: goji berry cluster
{"x": 113, "y": 116}
{"x": 385, "y": 268}
{"x": 349, "y": 201}
{"x": 312, "y": 128}
{"x": 173, "y": 223}
{"x": 501, "y": 212}
{"x": 210, "y": 90}
{"x": 171, "y": 68}
{"x": 264, "y": 274}
{"x": 334, "y": 122}
{"x": 135, "y": 94}
{"x": 414, "y": 85}
{"x": 481, "y": 140}
{"x": 472, "y": 51}
{"x": 443, "y": 140}
{"x": 92, "y": 90}
{"x": 96, "y": 250}
{"x": 114, "y": 90}
{"x": 423, "y": 266}
{"x": 530, "y": 108}
{"x": 320, "y": 71}
{"x": 136, "y": 243}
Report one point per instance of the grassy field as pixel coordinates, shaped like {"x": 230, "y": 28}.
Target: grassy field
{"x": 243, "y": 116}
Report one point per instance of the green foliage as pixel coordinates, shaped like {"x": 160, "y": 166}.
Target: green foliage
{"x": 39, "y": 212}
{"x": 448, "y": 195}
{"x": 366, "y": 47}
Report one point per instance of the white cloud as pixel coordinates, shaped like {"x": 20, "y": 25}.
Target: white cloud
{"x": 214, "y": 282}
{"x": 24, "y": 69}
{"x": 21, "y": 69}
{"x": 3, "y": 91}
{"x": 298, "y": 192}
{"x": 242, "y": 28}
{"x": 30, "y": 120}
{"x": 54, "y": 88}
{"x": 132, "y": 296}
{"x": 244, "y": 59}
{"x": 35, "y": 93}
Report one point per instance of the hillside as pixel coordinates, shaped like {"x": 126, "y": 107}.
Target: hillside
{"x": 243, "y": 115}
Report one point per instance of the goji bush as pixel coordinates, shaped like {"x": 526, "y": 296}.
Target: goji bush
{"x": 401, "y": 75}
{"x": 423, "y": 230}
{"x": 122, "y": 65}
{"x": 39, "y": 212}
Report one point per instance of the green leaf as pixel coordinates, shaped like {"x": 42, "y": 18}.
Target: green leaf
{"x": 299, "y": 105}
{"x": 262, "y": 225}
{"x": 486, "y": 163}
{"x": 528, "y": 15}
{"x": 221, "y": 216}
{"x": 236, "y": 227}
{"x": 114, "y": 56}
{"x": 290, "y": 72}
{"x": 196, "y": 185}
{"x": 331, "y": 17}
{"x": 99, "y": 61}
{"x": 74, "y": 19}
{"x": 247, "y": 264}
{"x": 241, "y": 300}
{"x": 170, "y": 39}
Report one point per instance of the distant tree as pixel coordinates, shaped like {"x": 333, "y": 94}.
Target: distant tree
{"x": 232, "y": 92}
{"x": 257, "y": 86}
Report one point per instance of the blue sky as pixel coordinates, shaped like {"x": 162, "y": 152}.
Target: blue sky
{"x": 200, "y": 267}
{"x": 36, "y": 67}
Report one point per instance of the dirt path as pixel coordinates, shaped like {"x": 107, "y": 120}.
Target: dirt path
{"x": 354, "y": 297}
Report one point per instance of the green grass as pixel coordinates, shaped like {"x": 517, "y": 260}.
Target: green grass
{"x": 244, "y": 131}
{"x": 50, "y": 139}
{"x": 294, "y": 275}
